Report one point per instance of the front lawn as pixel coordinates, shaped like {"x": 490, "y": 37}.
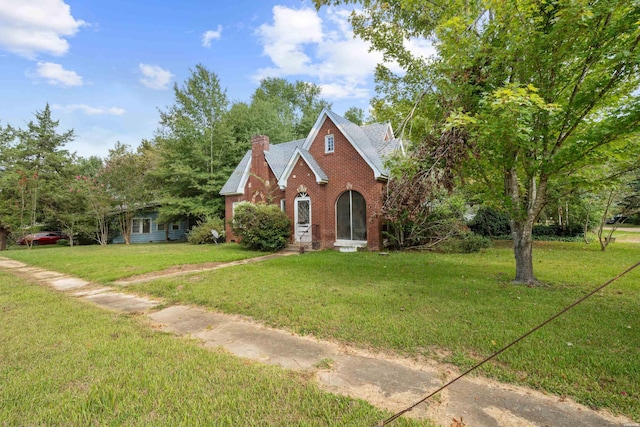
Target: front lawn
{"x": 65, "y": 362}
{"x": 456, "y": 308}
{"x": 451, "y": 307}
{"x": 112, "y": 262}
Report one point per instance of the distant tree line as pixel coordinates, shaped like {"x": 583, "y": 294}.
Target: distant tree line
{"x": 181, "y": 168}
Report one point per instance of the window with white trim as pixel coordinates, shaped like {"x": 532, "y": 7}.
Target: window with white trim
{"x": 351, "y": 216}
{"x": 175, "y": 226}
{"x": 161, "y": 226}
{"x": 329, "y": 144}
{"x": 141, "y": 226}
{"x": 233, "y": 209}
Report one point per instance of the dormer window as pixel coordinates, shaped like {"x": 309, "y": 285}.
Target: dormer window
{"x": 328, "y": 144}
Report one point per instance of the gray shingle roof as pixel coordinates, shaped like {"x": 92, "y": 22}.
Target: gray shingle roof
{"x": 233, "y": 184}
{"x": 279, "y": 154}
{"x": 374, "y": 142}
{"x": 315, "y": 167}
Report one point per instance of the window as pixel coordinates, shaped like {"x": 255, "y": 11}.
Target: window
{"x": 233, "y": 210}
{"x": 304, "y": 211}
{"x": 175, "y": 226}
{"x": 141, "y": 225}
{"x": 329, "y": 144}
{"x": 282, "y": 205}
{"x": 351, "y": 216}
{"x": 161, "y": 227}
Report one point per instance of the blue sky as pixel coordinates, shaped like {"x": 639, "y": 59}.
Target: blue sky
{"x": 106, "y": 66}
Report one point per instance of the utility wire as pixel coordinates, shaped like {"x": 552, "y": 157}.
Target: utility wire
{"x": 590, "y": 294}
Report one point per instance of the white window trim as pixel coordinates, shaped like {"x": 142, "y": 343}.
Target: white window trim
{"x": 140, "y": 229}
{"x": 233, "y": 209}
{"x": 329, "y": 147}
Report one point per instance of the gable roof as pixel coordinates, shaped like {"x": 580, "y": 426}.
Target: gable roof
{"x": 369, "y": 141}
{"x": 277, "y": 158}
{"x": 320, "y": 175}
{"x": 279, "y": 154}
{"x": 373, "y": 143}
{"x": 238, "y": 178}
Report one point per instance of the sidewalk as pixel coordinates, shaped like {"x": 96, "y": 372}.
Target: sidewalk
{"x": 388, "y": 382}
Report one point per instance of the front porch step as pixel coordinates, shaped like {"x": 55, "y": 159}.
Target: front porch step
{"x": 297, "y": 247}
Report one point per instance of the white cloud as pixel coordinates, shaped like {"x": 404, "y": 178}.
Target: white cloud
{"x": 89, "y": 110}
{"x": 154, "y": 77}
{"x": 211, "y": 35}
{"x": 421, "y": 48}
{"x": 300, "y": 43}
{"x": 284, "y": 41}
{"x": 30, "y": 27}
{"x": 56, "y": 75}
{"x": 344, "y": 90}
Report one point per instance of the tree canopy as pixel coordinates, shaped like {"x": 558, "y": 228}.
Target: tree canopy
{"x": 34, "y": 169}
{"x": 520, "y": 94}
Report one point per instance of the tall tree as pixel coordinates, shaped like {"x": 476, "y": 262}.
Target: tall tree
{"x": 97, "y": 202}
{"x": 196, "y": 150}
{"x": 520, "y": 94}
{"x": 124, "y": 176}
{"x": 35, "y": 167}
{"x": 7, "y": 205}
{"x": 296, "y": 107}
{"x": 355, "y": 115}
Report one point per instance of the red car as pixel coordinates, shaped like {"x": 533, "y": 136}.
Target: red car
{"x": 42, "y": 238}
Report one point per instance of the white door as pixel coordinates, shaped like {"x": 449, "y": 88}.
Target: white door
{"x": 302, "y": 228}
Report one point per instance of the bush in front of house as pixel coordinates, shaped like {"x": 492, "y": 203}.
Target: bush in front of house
{"x": 261, "y": 227}
{"x": 491, "y": 223}
{"x": 201, "y": 233}
{"x": 465, "y": 244}
{"x": 573, "y": 230}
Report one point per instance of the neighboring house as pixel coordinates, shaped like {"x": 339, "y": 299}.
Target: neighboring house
{"x": 330, "y": 184}
{"x": 146, "y": 229}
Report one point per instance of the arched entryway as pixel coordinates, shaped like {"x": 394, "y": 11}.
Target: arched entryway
{"x": 351, "y": 217}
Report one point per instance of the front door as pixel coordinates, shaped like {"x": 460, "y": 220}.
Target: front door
{"x": 302, "y": 227}
{"x": 351, "y": 217}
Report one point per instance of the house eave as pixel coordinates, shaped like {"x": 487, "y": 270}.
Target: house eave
{"x": 326, "y": 113}
{"x": 232, "y": 194}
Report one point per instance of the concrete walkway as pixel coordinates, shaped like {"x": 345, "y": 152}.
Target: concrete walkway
{"x": 388, "y": 382}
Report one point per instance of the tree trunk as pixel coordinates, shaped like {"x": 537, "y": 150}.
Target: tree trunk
{"x": 4, "y": 232}
{"x": 524, "y": 212}
{"x": 523, "y": 252}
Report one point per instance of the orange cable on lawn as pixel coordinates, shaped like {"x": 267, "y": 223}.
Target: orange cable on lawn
{"x": 590, "y": 294}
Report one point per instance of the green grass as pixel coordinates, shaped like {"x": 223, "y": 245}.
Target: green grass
{"x": 456, "y": 308}
{"x": 462, "y": 306}
{"x": 64, "y": 362}
{"x": 112, "y": 262}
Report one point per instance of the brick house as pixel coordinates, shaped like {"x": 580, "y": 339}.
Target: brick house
{"x": 330, "y": 184}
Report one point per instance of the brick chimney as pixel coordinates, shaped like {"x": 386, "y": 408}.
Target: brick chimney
{"x": 259, "y": 144}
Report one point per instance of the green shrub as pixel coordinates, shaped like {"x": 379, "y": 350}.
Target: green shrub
{"x": 201, "y": 233}
{"x": 62, "y": 242}
{"x": 573, "y": 230}
{"x": 261, "y": 227}
{"x": 465, "y": 244}
{"x": 490, "y": 223}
